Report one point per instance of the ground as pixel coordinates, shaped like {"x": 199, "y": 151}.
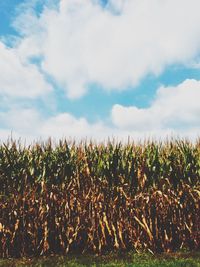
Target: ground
{"x": 184, "y": 259}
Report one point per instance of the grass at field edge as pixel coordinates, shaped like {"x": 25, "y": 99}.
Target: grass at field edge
{"x": 186, "y": 259}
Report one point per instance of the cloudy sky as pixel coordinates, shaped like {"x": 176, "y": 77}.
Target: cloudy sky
{"x": 99, "y": 68}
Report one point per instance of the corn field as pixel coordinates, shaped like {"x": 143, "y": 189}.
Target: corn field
{"x": 96, "y": 198}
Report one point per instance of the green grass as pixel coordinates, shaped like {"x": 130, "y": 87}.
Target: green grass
{"x": 128, "y": 260}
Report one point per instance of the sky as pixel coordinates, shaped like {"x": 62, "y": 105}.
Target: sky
{"x": 99, "y": 68}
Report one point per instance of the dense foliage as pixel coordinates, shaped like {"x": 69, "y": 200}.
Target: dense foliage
{"x": 91, "y": 197}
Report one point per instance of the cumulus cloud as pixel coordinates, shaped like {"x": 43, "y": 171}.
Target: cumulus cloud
{"x": 66, "y": 125}
{"x": 174, "y": 112}
{"x": 77, "y": 43}
{"x": 174, "y": 108}
{"x": 25, "y": 121}
{"x": 19, "y": 79}
{"x": 31, "y": 125}
{"x": 115, "y": 46}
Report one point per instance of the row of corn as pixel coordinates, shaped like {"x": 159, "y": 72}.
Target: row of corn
{"x": 95, "y": 198}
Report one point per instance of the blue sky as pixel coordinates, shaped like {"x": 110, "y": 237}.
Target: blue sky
{"x": 99, "y": 68}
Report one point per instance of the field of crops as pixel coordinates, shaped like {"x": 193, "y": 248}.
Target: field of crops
{"x": 96, "y": 198}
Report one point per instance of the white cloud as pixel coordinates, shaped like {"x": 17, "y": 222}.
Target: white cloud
{"x": 83, "y": 43}
{"x": 25, "y": 121}
{"x": 66, "y": 125}
{"x": 31, "y": 125}
{"x": 19, "y": 79}
{"x": 174, "y": 109}
{"x": 174, "y": 112}
{"x": 79, "y": 43}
